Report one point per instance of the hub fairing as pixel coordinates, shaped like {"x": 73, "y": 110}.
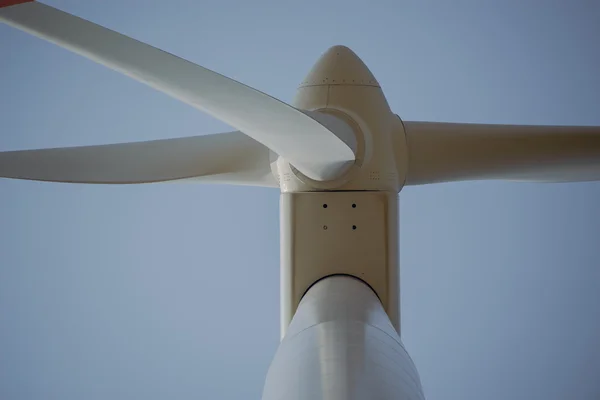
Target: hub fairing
{"x": 340, "y": 84}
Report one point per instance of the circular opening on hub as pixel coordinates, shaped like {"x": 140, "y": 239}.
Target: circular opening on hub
{"x": 324, "y": 205}
{"x": 353, "y": 227}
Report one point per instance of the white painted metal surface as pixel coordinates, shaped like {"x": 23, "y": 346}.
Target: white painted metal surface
{"x": 300, "y": 139}
{"x": 341, "y": 346}
{"x": 232, "y": 158}
{"x": 327, "y": 233}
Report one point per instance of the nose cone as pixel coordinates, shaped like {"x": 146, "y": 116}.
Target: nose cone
{"x": 339, "y": 66}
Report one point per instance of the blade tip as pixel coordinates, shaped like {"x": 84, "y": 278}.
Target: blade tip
{"x": 8, "y": 3}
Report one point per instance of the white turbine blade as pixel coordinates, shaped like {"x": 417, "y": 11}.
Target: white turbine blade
{"x": 303, "y": 141}
{"x": 446, "y": 152}
{"x": 226, "y": 158}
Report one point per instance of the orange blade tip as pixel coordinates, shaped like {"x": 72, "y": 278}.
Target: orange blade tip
{"x": 8, "y": 3}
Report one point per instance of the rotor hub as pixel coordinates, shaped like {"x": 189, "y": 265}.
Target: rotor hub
{"x": 341, "y": 85}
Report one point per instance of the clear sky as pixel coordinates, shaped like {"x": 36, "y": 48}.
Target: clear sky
{"x": 172, "y": 291}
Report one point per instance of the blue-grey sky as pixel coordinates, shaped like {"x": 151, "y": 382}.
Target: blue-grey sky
{"x": 172, "y": 291}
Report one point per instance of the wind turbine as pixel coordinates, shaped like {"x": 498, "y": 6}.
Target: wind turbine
{"x": 340, "y": 156}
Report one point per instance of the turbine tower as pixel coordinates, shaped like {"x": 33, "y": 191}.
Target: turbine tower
{"x": 340, "y": 157}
